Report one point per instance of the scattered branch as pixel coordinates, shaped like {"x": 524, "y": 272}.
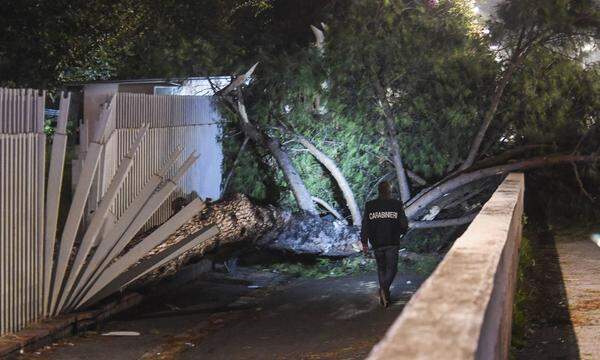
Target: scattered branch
{"x": 328, "y": 207}
{"x": 235, "y": 162}
{"x": 580, "y": 183}
{"x": 442, "y": 223}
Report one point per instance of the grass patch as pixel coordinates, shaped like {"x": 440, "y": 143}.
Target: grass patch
{"x": 326, "y": 268}
{"x": 523, "y": 296}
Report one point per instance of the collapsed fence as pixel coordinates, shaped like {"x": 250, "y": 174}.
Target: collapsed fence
{"x": 135, "y": 171}
{"x": 188, "y": 121}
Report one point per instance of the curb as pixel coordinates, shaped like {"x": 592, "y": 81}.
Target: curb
{"x": 49, "y": 330}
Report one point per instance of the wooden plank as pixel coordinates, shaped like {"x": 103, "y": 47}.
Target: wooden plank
{"x": 55, "y": 178}
{"x": 149, "y": 208}
{"x": 150, "y": 242}
{"x": 99, "y": 216}
{"x": 75, "y": 215}
{"x": 109, "y": 285}
{"x": 126, "y": 227}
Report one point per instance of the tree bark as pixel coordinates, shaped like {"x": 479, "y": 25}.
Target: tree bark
{"x": 337, "y": 174}
{"x": 391, "y": 137}
{"x": 238, "y": 220}
{"x": 416, "y": 178}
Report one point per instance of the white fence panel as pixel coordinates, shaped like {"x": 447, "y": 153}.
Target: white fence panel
{"x": 22, "y": 166}
{"x": 191, "y": 122}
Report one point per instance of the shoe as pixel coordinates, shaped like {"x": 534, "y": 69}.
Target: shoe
{"x": 386, "y": 299}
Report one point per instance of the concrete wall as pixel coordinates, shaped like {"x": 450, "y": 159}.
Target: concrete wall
{"x": 464, "y": 309}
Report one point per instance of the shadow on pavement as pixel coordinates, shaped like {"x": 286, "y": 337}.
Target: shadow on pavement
{"x": 551, "y": 333}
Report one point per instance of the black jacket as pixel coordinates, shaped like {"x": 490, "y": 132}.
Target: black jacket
{"x": 384, "y": 222}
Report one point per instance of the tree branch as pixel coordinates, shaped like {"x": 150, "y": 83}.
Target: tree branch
{"x": 328, "y": 207}
{"x": 442, "y": 223}
{"x": 237, "y": 159}
{"x": 440, "y": 189}
{"x": 337, "y": 174}
{"x": 392, "y": 135}
{"x": 580, "y": 183}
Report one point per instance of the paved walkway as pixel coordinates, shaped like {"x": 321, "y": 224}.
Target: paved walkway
{"x": 579, "y": 259}
{"x": 566, "y": 304}
{"x": 254, "y": 316}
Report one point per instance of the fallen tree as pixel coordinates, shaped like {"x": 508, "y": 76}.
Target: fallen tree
{"x": 243, "y": 224}
{"x": 382, "y": 86}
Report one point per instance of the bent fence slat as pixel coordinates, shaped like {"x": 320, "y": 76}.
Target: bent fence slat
{"x": 95, "y": 225}
{"x": 147, "y": 244}
{"x": 55, "y": 178}
{"x": 137, "y": 222}
{"x": 464, "y": 309}
{"x": 155, "y": 201}
{"x": 110, "y": 240}
{"x": 152, "y": 262}
{"x": 75, "y": 215}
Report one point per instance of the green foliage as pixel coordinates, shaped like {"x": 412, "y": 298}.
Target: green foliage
{"x": 552, "y": 100}
{"x": 325, "y": 268}
{"x": 432, "y": 58}
{"x": 523, "y": 295}
{"x": 431, "y": 63}
{"x": 435, "y": 71}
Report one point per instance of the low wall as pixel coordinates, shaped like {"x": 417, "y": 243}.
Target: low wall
{"x": 464, "y": 309}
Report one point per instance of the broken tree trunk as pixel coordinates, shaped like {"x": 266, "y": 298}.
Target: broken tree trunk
{"x": 506, "y": 77}
{"x": 239, "y": 222}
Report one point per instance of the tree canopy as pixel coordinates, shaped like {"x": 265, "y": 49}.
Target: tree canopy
{"x": 421, "y": 89}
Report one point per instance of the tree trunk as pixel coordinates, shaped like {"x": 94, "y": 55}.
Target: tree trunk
{"x": 391, "y": 137}
{"x": 337, "y": 174}
{"x": 238, "y": 220}
{"x": 443, "y": 188}
{"x": 301, "y": 193}
{"x": 491, "y": 112}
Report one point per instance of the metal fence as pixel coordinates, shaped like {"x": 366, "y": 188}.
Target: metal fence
{"x": 22, "y": 166}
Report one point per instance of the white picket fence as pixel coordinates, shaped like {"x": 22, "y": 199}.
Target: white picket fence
{"x": 22, "y": 166}
{"x": 191, "y": 122}
{"x": 139, "y": 154}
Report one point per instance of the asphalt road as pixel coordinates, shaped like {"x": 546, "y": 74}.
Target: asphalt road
{"x": 255, "y": 315}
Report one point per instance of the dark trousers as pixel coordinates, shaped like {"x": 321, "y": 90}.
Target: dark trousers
{"x": 387, "y": 267}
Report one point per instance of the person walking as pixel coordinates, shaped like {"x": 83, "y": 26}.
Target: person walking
{"x": 384, "y": 222}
